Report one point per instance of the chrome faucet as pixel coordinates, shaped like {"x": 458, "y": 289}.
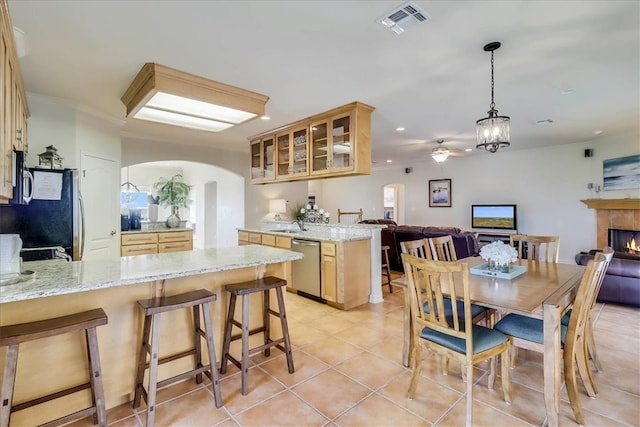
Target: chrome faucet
{"x": 300, "y": 224}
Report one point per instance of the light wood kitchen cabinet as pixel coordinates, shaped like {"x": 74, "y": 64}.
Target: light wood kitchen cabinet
{"x": 139, "y": 244}
{"x": 156, "y": 242}
{"x": 262, "y": 159}
{"x": 347, "y": 273}
{"x": 243, "y": 238}
{"x": 13, "y": 100}
{"x": 283, "y": 242}
{"x": 20, "y": 122}
{"x": 253, "y": 238}
{"x": 334, "y": 143}
{"x": 332, "y": 148}
{"x": 175, "y": 241}
{"x": 345, "y": 267}
{"x": 328, "y": 272}
{"x": 291, "y": 153}
{"x": 268, "y": 240}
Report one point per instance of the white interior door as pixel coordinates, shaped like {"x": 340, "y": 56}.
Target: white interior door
{"x": 100, "y": 187}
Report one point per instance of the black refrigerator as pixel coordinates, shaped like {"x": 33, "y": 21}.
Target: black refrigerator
{"x": 52, "y": 224}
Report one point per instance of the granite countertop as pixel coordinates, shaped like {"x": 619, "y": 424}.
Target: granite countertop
{"x": 326, "y": 235}
{"x": 315, "y": 231}
{"x": 58, "y": 277}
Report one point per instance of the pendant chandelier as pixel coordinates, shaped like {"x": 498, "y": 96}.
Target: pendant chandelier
{"x": 492, "y": 131}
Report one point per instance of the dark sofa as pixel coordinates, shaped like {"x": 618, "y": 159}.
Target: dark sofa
{"x": 621, "y": 283}
{"x": 465, "y": 242}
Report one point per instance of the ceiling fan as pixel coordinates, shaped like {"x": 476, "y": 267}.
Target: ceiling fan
{"x": 440, "y": 153}
{"x": 438, "y": 148}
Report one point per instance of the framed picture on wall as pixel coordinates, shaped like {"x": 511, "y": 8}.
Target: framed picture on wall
{"x": 622, "y": 173}
{"x": 439, "y": 193}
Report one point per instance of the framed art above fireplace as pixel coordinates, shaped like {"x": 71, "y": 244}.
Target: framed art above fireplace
{"x": 621, "y": 173}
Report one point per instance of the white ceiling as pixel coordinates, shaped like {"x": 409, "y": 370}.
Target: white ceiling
{"x": 311, "y": 56}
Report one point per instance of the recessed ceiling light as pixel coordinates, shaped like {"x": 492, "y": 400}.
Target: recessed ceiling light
{"x": 265, "y": 117}
{"x": 400, "y": 129}
{"x": 389, "y": 161}
{"x": 567, "y": 91}
{"x": 468, "y": 149}
{"x": 597, "y": 132}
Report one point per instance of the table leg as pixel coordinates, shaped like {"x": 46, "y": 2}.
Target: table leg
{"x": 552, "y": 361}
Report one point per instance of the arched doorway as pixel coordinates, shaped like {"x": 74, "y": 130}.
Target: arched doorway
{"x": 216, "y": 207}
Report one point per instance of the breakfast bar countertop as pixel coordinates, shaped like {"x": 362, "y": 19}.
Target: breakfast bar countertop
{"x": 60, "y": 277}
{"x": 313, "y": 231}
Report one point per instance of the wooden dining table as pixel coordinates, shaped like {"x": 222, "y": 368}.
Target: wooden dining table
{"x": 545, "y": 291}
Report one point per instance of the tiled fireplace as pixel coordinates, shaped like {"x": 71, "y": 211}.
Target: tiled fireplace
{"x": 615, "y": 214}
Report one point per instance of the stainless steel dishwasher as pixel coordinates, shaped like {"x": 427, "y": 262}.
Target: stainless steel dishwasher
{"x": 306, "y": 271}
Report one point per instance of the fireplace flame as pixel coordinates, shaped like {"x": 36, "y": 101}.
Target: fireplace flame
{"x": 632, "y": 246}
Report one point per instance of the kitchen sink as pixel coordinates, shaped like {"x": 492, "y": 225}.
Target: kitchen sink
{"x": 286, "y": 231}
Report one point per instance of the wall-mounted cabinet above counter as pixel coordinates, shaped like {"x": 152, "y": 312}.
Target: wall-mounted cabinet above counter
{"x": 330, "y": 144}
{"x": 14, "y": 111}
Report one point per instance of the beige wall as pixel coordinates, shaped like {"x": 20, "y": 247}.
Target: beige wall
{"x": 546, "y": 183}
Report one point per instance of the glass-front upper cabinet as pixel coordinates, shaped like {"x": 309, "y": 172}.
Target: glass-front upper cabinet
{"x": 319, "y": 147}
{"x": 332, "y": 145}
{"x": 292, "y": 153}
{"x": 262, "y": 160}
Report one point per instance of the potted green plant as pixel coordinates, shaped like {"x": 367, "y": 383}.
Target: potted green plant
{"x": 175, "y": 193}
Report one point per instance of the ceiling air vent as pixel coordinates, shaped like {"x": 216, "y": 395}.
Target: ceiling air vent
{"x": 404, "y": 17}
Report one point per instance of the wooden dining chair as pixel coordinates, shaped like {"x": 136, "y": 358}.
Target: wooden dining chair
{"x": 449, "y": 335}
{"x": 536, "y": 248}
{"x": 442, "y": 248}
{"x": 590, "y": 353}
{"x": 422, "y": 248}
{"x": 527, "y": 332}
{"x": 419, "y": 248}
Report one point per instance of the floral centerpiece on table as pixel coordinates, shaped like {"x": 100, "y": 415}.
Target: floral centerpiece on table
{"x": 499, "y": 255}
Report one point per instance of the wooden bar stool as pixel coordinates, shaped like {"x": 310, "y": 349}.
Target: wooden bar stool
{"x": 244, "y": 289}
{"x": 12, "y": 336}
{"x": 151, "y": 343}
{"x": 386, "y": 271}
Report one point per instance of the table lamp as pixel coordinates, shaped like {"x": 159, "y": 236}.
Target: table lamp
{"x": 277, "y": 206}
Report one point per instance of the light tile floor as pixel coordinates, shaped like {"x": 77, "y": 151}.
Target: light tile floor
{"x": 348, "y": 372}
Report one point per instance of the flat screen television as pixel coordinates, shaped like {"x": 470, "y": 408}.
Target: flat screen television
{"x": 501, "y": 217}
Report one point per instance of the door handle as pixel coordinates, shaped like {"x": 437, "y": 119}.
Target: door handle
{"x": 113, "y": 232}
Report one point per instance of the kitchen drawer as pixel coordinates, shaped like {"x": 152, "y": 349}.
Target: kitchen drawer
{"x": 243, "y": 236}
{"x": 255, "y": 238}
{"x": 139, "y": 238}
{"x": 268, "y": 240}
{"x": 175, "y": 246}
{"x": 283, "y": 242}
{"x": 328, "y": 249}
{"x": 175, "y": 236}
{"x": 150, "y": 248}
